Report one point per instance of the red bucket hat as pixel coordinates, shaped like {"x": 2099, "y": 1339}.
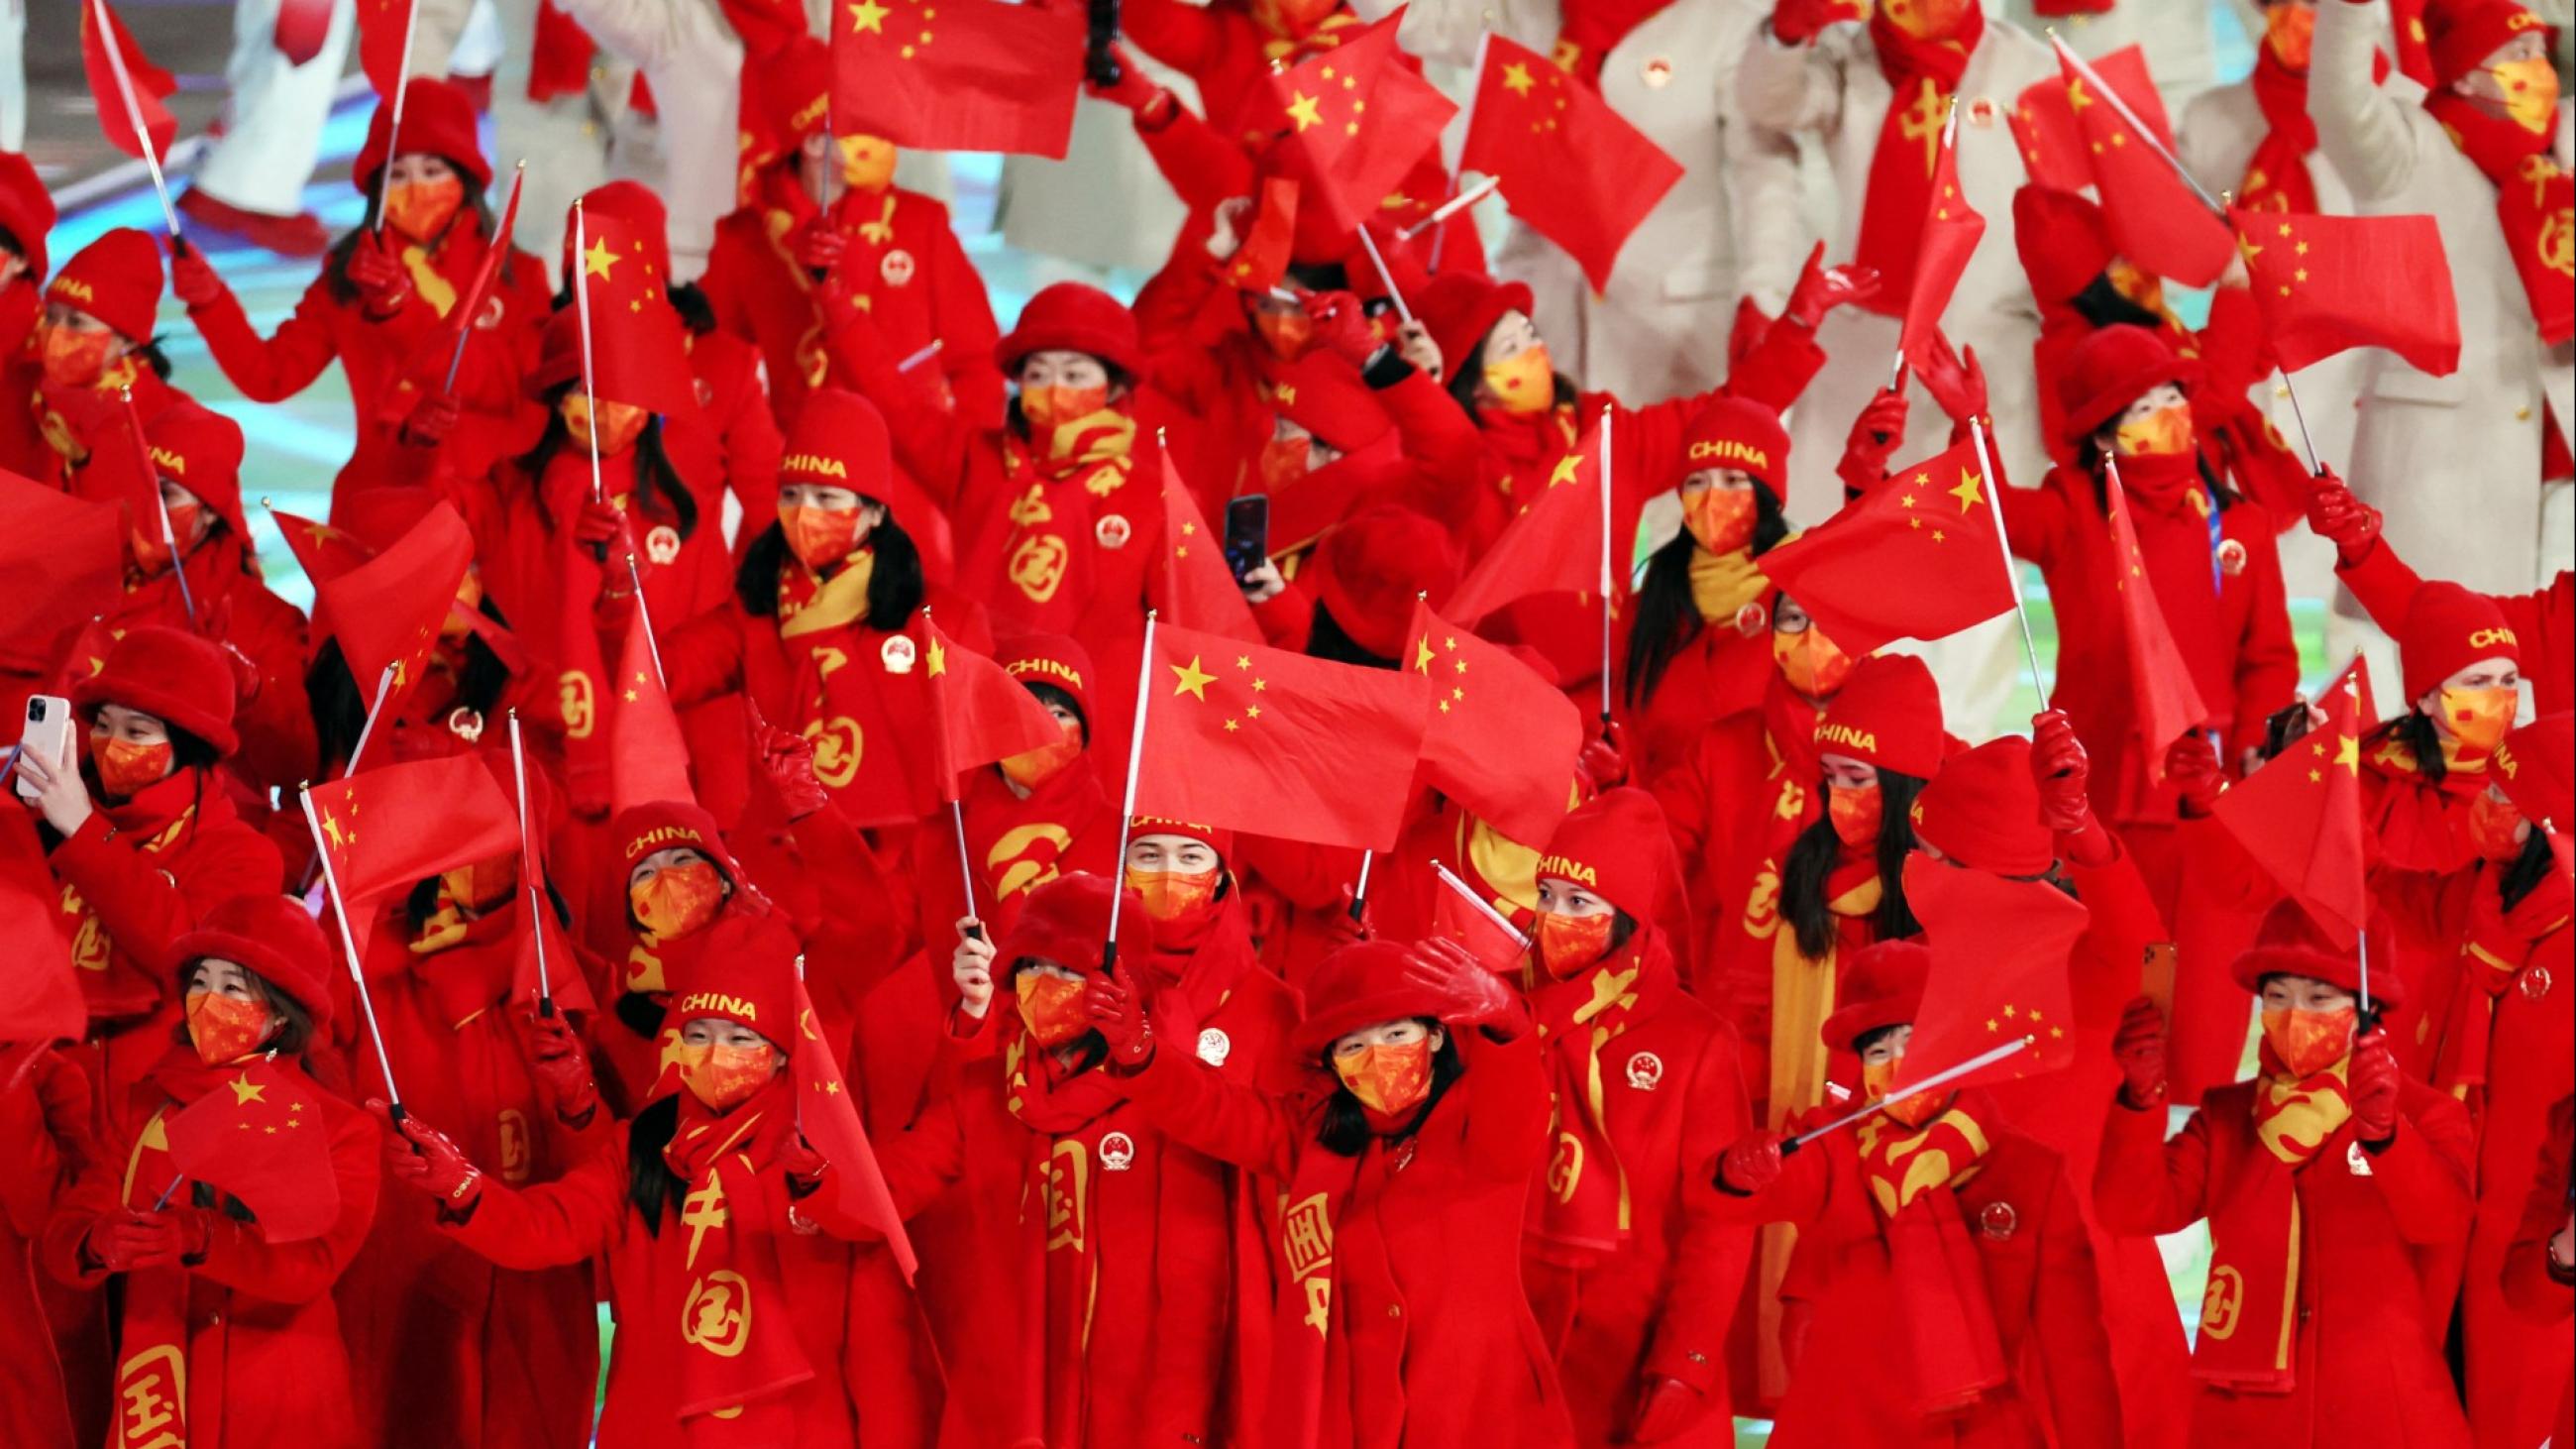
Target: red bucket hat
{"x": 437, "y": 120}
{"x": 1459, "y": 309}
{"x": 1617, "y": 847}
{"x": 1361, "y": 985}
{"x": 2536, "y": 769}
{"x": 1882, "y": 987}
{"x": 1052, "y": 659}
{"x": 1368, "y": 571}
{"x": 2288, "y": 943}
{"x": 2461, "y": 34}
{"x": 116, "y": 279}
{"x": 274, "y": 936}
{"x": 745, "y": 974}
{"x": 1074, "y": 317}
{"x": 171, "y": 675}
{"x": 26, "y": 209}
{"x": 1982, "y": 810}
{"x": 1888, "y": 714}
{"x": 2112, "y": 369}
{"x": 1066, "y": 921}
{"x": 200, "y": 450}
{"x": 2447, "y": 629}
{"x": 2063, "y": 242}
{"x": 1734, "y": 432}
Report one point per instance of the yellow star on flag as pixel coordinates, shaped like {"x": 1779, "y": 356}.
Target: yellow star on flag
{"x": 938, "y": 658}
{"x": 1970, "y": 491}
{"x": 245, "y": 1091}
{"x": 869, "y": 16}
{"x": 1193, "y": 680}
{"x": 1302, "y": 110}
{"x": 599, "y": 259}
{"x": 1516, "y": 78}
{"x": 1565, "y": 469}
{"x": 2348, "y": 752}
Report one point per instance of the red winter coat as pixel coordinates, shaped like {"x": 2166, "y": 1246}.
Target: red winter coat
{"x": 1430, "y": 1342}
{"x": 22, "y": 445}
{"x": 44, "y": 1146}
{"x": 2543, "y": 621}
{"x": 265, "y": 1365}
{"x": 2377, "y": 1255}
{"x": 1849, "y": 1387}
{"x": 2540, "y": 1295}
{"x": 1660, "y": 1306}
{"x": 733, "y": 401}
{"x": 235, "y": 608}
{"x": 1736, "y": 800}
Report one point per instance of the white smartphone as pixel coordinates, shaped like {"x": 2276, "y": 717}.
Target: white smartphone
{"x": 46, "y": 738}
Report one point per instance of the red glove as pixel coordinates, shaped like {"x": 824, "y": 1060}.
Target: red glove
{"x": 1342, "y": 928}
{"x": 1604, "y": 761}
{"x": 2192, "y": 768}
{"x": 805, "y": 1166}
{"x": 383, "y": 283}
{"x": 1133, "y": 90}
{"x": 602, "y": 525}
{"x": 1874, "y": 436}
{"x": 1821, "y": 289}
{"x": 123, "y": 1240}
{"x": 431, "y": 420}
{"x": 1343, "y": 327}
{"x": 192, "y": 277}
{"x": 561, "y": 1070}
{"x": 818, "y": 244}
{"x": 2139, "y": 1047}
{"x": 1665, "y": 1407}
{"x": 2372, "y": 1081}
{"x": 1120, "y": 1019}
{"x": 1795, "y": 22}
{"x": 2351, "y": 525}
{"x": 420, "y": 1157}
{"x": 787, "y": 760}
{"x": 2058, "y": 764}
{"x": 1956, "y": 382}
{"x": 1445, "y": 970}
{"x": 1751, "y": 1165}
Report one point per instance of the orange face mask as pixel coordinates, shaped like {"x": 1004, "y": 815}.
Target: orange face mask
{"x": 1523, "y": 383}
{"x": 1049, "y": 408}
{"x": 2479, "y": 717}
{"x": 1051, "y": 1008}
{"x": 1814, "y": 665}
{"x": 2290, "y": 32}
{"x": 822, "y": 537}
{"x": 2530, "y": 88}
{"x": 677, "y": 900}
{"x": 1567, "y": 945}
{"x": 2308, "y": 1042}
{"x": 1285, "y": 333}
{"x": 1877, "y": 1079}
{"x": 723, "y": 1076}
{"x": 2492, "y": 827}
{"x": 1721, "y": 520}
{"x": 1388, "y": 1080}
{"x": 1031, "y": 768}
{"x": 225, "y": 1028}
{"x": 2164, "y": 433}
{"x": 484, "y": 884}
{"x": 76, "y": 359}
{"x": 1856, "y": 811}
{"x": 1283, "y": 461}
{"x": 422, "y": 209}
{"x": 127, "y": 769}
{"x": 1171, "y": 896}
{"x": 617, "y": 425}
{"x": 867, "y": 162}
{"x": 1927, "y": 19}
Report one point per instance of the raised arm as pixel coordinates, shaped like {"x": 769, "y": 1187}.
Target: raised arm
{"x": 2362, "y": 128}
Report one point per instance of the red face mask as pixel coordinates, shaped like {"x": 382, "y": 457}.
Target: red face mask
{"x": 724, "y": 1077}
{"x": 76, "y": 359}
{"x": 2492, "y": 823}
{"x": 1721, "y": 520}
{"x": 822, "y": 537}
{"x": 1567, "y": 945}
{"x": 151, "y": 555}
{"x": 1813, "y": 664}
{"x": 225, "y": 1029}
{"x": 1283, "y": 461}
{"x": 1051, "y": 1008}
{"x": 1856, "y": 811}
{"x": 422, "y": 209}
{"x": 1049, "y": 408}
{"x": 677, "y": 900}
{"x": 616, "y": 425}
{"x": 127, "y": 769}
{"x": 2308, "y": 1042}
{"x": 1388, "y": 1080}
{"x": 1171, "y": 896}
{"x": 1031, "y": 768}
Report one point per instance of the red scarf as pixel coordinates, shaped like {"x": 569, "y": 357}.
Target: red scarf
{"x": 1922, "y": 76}
{"x": 2276, "y": 175}
{"x": 1047, "y": 578}
{"x": 2419, "y": 825}
{"x": 1301, "y": 1330}
{"x": 2494, "y": 949}
{"x": 1020, "y": 844}
{"x": 1943, "y": 1316}
{"x": 1059, "y": 1221}
{"x": 467, "y": 969}
{"x": 164, "y": 818}
{"x": 1581, "y": 1213}
{"x": 738, "y": 1353}
{"x": 1593, "y": 28}
{"x": 2534, "y": 196}
{"x": 2249, "y": 1318}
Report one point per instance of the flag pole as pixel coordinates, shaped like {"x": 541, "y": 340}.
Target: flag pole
{"x": 349, "y": 949}
{"x": 393, "y": 127}
{"x": 536, "y": 897}
{"x": 1478, "y": 903}
{"x": 1383, "y": 275}
{"x": 1939, "y": 1078}
{"x": 1127, "y": 808}
{"x": 107, "y": 41}
{"x": 922, "y": 356}
{"x": 2012, "y": 570}
{"x": 1451, "y": 207}
{"x": 1607, "y": 576}
{"x": 509, "y": 209}
{"x": 1484, "y": 39}
{"x": 644, "y": 620}
{"x": 1359, "y": 892}
{"x": 367, "y": 731}
{"x": 161, "y": 506}
{"x": 2145, "y": 132}
{"x": 581, "y": 304}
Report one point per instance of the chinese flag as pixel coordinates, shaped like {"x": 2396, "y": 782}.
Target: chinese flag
{"x": 1501, "y": 740}
{"x": 830, "y": 1121}
{"x": 2164, "y": 704}
{"x": 1999, "y": 954}
{"x": 395, "y": 826}
{"x": 1918, "y": 558}
{"x": 1951, "y": 231}
{"x": 40, "y": 997}
{"x": 1461, "y": 915}
{"x": 387, "y": 612}
{"x": 2328, "y": 283}
{"x": 979, "y": 714}
{"x": 1553, "y": 545}
{"x": 1262, "y": 260}
{"x": 1568, "y": 164}
{"x": 2300, "y": 815}
{"x": 380, "y": 42}
{"x": 1255, "y": 738}
{"x": 637, "y": 352}
{"x": 60, "y": 566}
{"x": 2156, "y": 220}
{"x": 1198, "y": 583}
{"x": 1347, "y": 123}
{"x": 258, "y": 1136}
{"x": 648, "y": 759}
{"x": 2051, "y": 145}
{"x": 101, "y": 53}
{"x": 957, "y": 75}
{"x": 496, "y": 255}
{"x": 323, "y": 552}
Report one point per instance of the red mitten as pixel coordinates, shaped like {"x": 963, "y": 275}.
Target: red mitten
{"x": 2139, "y": 1048}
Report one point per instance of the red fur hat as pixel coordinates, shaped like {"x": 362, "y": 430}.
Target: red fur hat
{"x": 171, "y": 675}
{"x": 1368, "y": 570}
{"x": 1358, "y": 986}
{"x": 2112, "y": 369}
{"x": 1459, "y": 309}
{"x": 2288, "y": 943}
{"x": 1888, "y": 714}
{"x": 437, "y": 120}
{"x": 116, "y": 279}
{"x": 2063, "y": 242}
{"x": 655, "y": 825}
{"x": 1882, "y": 986}
{"x": 746, "y": 974}
{"x": 2447, "y": 629}
{"x": 1616, "y": 846}
{"x": 1734, "y": 432}
{"x": 1982, "y": 810}
{"x": 1073, "y": 317}
{"x": 272, "y": 935}
{"x": 1066, "y": 921}
{"x": 26, "y": 210}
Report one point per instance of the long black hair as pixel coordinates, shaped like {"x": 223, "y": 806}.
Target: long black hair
{"x": 651, "y": 1185}
{"x": 1327, "y": 639}
{"x": 659, "y": 488}
{"x": 896, "y": 586}
{"x": 2528, "y": 870}
{"x": 422, "y": 903}
{"x": 1344, "y": 1129}
{"x": 1667, "y": 621}
{"x": 335, "y": 262}
{"x": 2105, "y": 305}
{"x": 1812, "y": 857}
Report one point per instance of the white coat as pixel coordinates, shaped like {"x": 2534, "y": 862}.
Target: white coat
{"x": 2174, "y": 34}
{"x": 692, "y": 61}
{"x": 2452, "y": 461}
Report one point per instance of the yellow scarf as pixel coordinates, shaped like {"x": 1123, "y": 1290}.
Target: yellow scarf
{"x": 808, "y": 605}
{"x": 1723, "y": 583}
{"x": 1802, "y": 996}
{"x": 1902, "y": 1163}
{"x": 2293, "y": 1116}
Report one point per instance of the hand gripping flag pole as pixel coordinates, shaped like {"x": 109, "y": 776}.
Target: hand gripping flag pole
{"x": 535, "y": 889}
{"x": 349, "y": 951}
{"x": 1127, "y": 808}
{"x": 1939, "y": 1078}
